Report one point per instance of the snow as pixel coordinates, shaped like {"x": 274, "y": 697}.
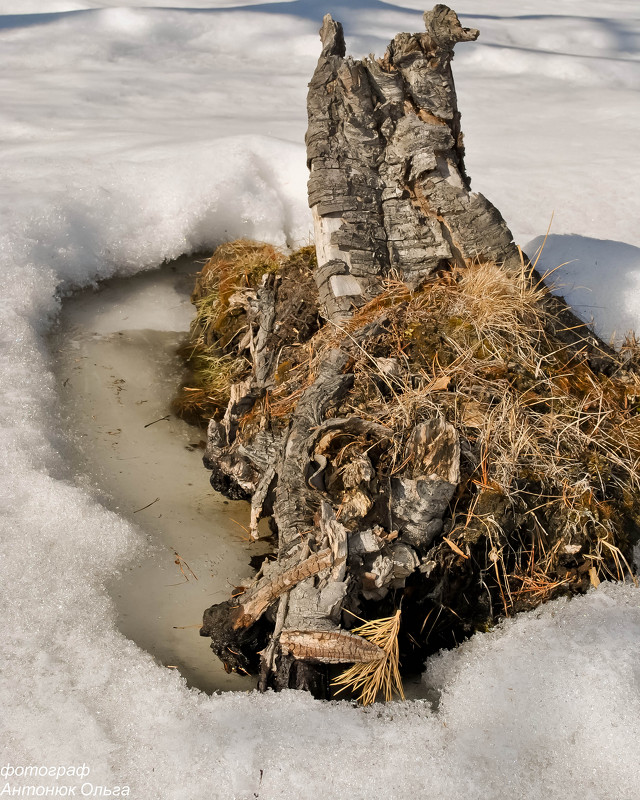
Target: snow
{"x": 132, "y": 133}
{"x": 600, "y": 278}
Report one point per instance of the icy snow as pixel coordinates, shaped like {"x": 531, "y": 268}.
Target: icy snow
{"x": 131, "y": 134}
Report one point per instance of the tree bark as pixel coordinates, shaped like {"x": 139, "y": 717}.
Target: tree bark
{"x": 391, "y": 204}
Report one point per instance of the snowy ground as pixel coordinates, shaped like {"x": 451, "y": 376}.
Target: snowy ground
{"x": 133, "y": 134}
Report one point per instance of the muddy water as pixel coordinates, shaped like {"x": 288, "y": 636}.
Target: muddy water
{"x": 117, "y": 370}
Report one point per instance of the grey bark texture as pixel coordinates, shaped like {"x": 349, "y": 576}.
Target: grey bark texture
{"x": 387, "y": 187}
{"x": 390, "y": 199}
{"x": 389, "y": 196}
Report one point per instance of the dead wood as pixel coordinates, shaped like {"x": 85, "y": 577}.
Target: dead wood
{"x": 274, "y": 583}
{"x": 329, "y": 647}
{"x": 393, "y": 401}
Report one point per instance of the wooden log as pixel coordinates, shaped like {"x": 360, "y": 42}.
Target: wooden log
{"x": 389, "y": 194}
{"x": 387, "y": 183}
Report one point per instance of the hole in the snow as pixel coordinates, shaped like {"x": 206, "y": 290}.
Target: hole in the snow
{"x": 115, "y": 359}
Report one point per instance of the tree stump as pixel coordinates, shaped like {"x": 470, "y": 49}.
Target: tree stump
{"x": 426, "y": 426}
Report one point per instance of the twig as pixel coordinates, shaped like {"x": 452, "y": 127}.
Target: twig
{"x": 157, "y": 420}
{"x": 147, "y": 506}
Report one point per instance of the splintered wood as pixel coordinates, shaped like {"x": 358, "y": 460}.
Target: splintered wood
{"x": 330, "y": 647}
{"x": 388, "y": 189}
{"x": 371, "y": 412}
{"x": 389, "y": 195}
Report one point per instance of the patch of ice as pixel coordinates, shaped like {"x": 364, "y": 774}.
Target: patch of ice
{"x": 139, "y": 311}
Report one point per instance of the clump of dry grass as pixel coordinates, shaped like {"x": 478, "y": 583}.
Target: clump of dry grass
{"x": 496, "y": 302}
{"x": 217, "y": 352}
{"x": 630, "y": 350}
{"x": 235, "y": 266}
{"x": 378, "y": 677}
{"x": 549, "y": 500}
{"x": 476, "y": 343}
{"x": 207, "y": 390}
{"x": 542, "y": 432}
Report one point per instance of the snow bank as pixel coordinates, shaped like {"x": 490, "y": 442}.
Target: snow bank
{"x": 599, "y": 278}
{"x": 131, "y": 135}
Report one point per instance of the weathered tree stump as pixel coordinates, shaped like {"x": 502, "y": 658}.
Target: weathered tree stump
{"x": 393, "y": 405}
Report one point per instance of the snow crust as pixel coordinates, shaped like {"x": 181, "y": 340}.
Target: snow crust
{"x": 600, "y": 278}
{"x": 131, "y": 135}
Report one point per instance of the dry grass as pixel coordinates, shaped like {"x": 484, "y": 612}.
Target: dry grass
{"x": 378, "y": 677}
{"x": 526, "y": 406}
{"x": 540, "y": 429}
{"x": 233, "y": 267}
{"x": 207, "y": 390}
{"x": 550, "y": 448}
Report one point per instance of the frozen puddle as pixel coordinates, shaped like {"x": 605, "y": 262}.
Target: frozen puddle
{"x": 115, "y": 360}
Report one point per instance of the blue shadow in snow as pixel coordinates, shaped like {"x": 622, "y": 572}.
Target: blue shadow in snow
{"x": 599, "y": 278}
{"x": 305, "y": 9}
{"x": 348, "y": 11}
{"x": 8, "y": 21}
{"x": 627, "y": 40}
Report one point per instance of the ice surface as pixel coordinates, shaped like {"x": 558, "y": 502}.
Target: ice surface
{"x": 130, "y": 135}
{"x": 117, "y": 370}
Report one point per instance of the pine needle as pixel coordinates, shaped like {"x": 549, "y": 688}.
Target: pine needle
{"x": 378, "y": 676}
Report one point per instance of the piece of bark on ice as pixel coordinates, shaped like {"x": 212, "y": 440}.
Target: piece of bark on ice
{"x": 329, "y": 647}
{"x": 255, "y": 601}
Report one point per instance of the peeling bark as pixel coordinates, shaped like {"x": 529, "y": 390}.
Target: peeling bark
{"x": 360, "y": 508}
{"x": 388, "y": 186}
